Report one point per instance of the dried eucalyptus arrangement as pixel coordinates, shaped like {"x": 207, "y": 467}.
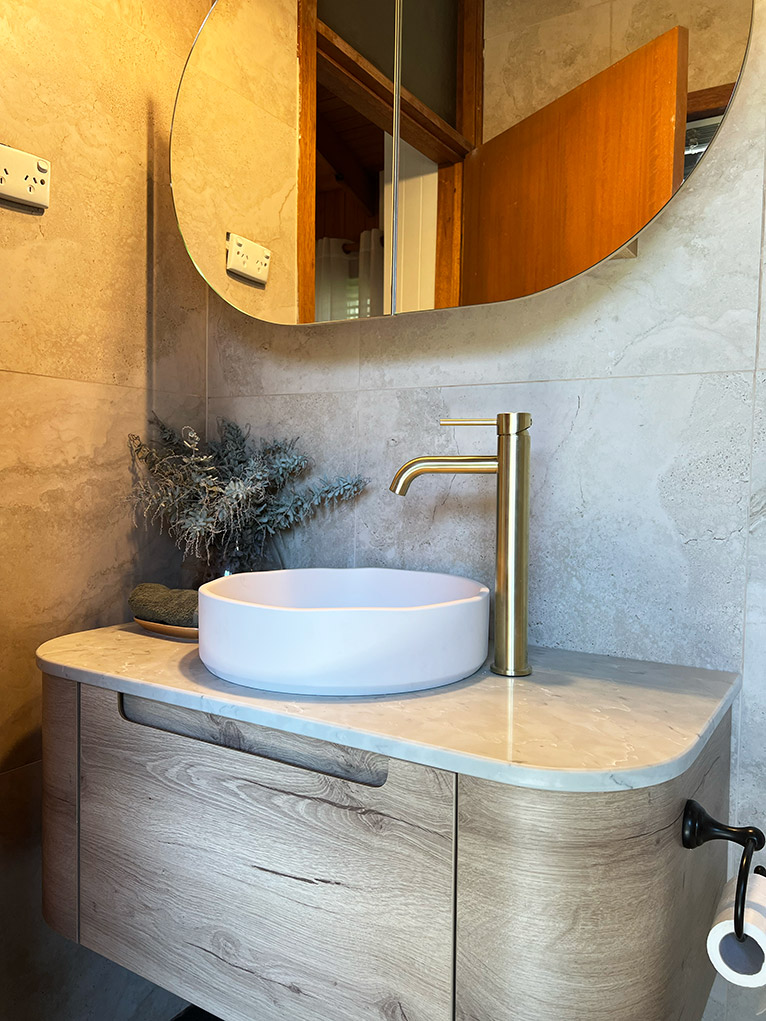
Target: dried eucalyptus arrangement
{"x": 224, "y": 501}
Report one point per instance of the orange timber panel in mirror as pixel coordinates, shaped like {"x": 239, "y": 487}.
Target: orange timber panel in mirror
{"x": 556, "y": 210}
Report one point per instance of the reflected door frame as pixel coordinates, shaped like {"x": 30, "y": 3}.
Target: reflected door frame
{"x": 470, "y": 122}
{"x": 324, "y": 56}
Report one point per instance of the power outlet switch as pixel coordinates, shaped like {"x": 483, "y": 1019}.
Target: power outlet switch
{"x": 24, "y": 178}
{"x": 247, "y": 258}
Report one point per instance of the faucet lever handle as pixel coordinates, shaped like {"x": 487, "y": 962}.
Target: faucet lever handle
{"x": 507, "y": 423}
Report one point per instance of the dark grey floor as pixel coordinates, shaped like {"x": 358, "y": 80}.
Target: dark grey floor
{"x": 195, "y": 1014}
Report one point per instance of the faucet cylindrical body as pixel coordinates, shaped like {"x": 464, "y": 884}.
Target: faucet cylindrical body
{"x": 512, "y": 545}
{"x": 512, "y": 560}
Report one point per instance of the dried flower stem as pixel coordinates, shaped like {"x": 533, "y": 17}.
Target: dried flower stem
{"x": 224, "y": 501}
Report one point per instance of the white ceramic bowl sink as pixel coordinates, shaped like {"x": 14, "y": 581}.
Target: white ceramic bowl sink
{"x": 362, "y": 631}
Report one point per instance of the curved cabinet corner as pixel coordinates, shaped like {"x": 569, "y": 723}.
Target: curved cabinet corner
{"x": 586, "y": 906}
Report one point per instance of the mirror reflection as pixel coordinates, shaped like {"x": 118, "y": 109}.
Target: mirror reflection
{"x": 582, "y": 120}
{"x": 351, "y": 158}
{"x": 536, "y": 139}
{"x": 234, "y": 153}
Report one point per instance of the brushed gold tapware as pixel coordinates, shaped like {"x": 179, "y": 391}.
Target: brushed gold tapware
{"x": 511, "y": 465}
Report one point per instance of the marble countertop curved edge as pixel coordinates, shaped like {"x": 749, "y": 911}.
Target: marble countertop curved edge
{"x": 117, "y": 658}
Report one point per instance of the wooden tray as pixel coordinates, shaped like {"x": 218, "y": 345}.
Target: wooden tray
{"x": 169, "y": 630}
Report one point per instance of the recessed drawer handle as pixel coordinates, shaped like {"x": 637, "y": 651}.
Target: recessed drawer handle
{"x": 367, "y": 768}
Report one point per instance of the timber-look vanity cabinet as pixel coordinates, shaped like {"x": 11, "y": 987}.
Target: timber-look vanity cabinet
{"x": 272, "y": 876}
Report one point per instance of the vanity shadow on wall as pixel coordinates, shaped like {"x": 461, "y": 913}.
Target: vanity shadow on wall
{"x": 533, "y": 142}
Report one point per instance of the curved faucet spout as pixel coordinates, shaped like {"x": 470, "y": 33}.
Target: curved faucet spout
{"x": 456, "y": 465}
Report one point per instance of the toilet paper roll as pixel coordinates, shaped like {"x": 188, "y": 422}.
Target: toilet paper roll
{"x": 742, "y": 964}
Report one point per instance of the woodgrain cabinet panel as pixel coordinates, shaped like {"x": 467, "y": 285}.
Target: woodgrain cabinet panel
{"x": 262, "y": 890}
{"x": 60, "y": 736}
{"x": 586, "y": 906}
{"x": 309, "y": 752}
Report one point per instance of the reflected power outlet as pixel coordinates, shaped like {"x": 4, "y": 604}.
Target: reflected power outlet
{"x": 247, "y": 259}
{"x": 24, "y": 178}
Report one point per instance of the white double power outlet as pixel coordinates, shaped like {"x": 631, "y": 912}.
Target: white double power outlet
{"x": 247, "y": 258}
{"x": 24, "y": 178}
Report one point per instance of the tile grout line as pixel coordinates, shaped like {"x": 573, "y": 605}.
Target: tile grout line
{"x": 468, "y": 386}
{"x": 23, "y": 765}
{"x": 98, "y": 382}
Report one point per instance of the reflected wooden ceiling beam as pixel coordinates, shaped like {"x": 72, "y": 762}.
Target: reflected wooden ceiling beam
{"x": 709, "y": 102}
{"x": 344, "y": 161}
{"x": 356, "y": 81}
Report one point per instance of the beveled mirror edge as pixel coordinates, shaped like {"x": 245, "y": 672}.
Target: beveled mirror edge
{"x": 197, "y": 35}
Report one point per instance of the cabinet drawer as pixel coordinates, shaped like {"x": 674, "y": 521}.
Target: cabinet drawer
{"x": 263, "y": 890}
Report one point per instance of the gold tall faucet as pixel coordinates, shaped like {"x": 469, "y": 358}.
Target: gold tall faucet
{"x": 511, "y": 465}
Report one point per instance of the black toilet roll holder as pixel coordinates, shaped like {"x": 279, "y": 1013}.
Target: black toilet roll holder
{"x": 698, "y": 827}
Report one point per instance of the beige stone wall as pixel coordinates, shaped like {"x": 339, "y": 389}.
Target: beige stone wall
{"x": 237, "y": 113}
{"x": 102, "y": 319}
{"x": 536, "y": 52}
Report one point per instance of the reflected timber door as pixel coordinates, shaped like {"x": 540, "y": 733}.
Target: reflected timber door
{"x": 573, "y": 182}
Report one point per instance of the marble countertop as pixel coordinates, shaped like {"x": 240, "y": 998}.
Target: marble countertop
{"x": 579, "y": 723}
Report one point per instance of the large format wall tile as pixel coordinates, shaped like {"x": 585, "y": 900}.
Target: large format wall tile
{"x": 527, "y": 68}
{"x": 513, "y": 15}
{"x": 248, "y": 357}
{"x": 717, "y": 33}
{"x": 235, "y": 169}
{"x": 175, "y": 24}
{"x": 44, "y": 977}
{"x": 78, "y": 298}
{"x": 250, "y": 49}
{"x": 536, "y": 52}
{"x": 745, "y": 1004}
{"x": 326, "y": 428}
{"x": 72, "y": 552}
{"x": 639, "y": 507}
{"x": 749, "y": 759}
{"x": 176, "y": 295}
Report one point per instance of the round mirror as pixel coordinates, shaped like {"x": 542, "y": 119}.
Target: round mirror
{"x": 536, "y": 139}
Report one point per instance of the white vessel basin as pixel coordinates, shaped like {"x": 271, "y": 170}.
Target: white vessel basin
{"x": 361, "y": 631}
